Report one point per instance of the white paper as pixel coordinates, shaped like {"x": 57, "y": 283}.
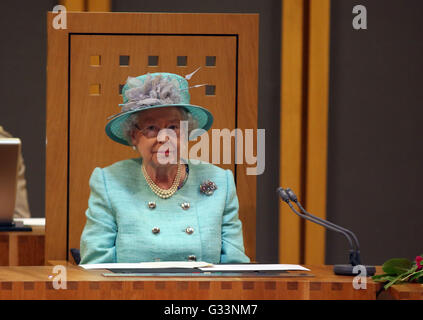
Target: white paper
{"x": 254, "y": 267}
{"x": 146, "y": 265}
{"x": 32, "y": 221}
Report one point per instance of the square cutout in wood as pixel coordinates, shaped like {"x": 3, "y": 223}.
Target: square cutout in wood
{"x": 210, "y": 90}
{"x": 124, "y": 61}
{"x": 153, "y": 61}
{"x": 210, "y": 61}
{"x": 181, "y": 61}
{"x": 95, "y": 61}
{"x": 94, "y": 89}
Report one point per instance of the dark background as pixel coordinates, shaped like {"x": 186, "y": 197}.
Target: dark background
{"x": 375, "y": 155}
{"x": 375, "y": 152}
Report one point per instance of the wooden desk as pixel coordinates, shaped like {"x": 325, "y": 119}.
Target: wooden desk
{"x": 36, "y": 283}
{"x": 22, "y": 248}
{"x": 407, "y": 291}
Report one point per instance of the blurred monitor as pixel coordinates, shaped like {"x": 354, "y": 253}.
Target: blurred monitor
{"x": 9, "y": 157}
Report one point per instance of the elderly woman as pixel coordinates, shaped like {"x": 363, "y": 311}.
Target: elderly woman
{"x": 161, "y": 207}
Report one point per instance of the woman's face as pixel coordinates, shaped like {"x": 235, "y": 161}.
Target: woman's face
{"x": 158, "y": 148}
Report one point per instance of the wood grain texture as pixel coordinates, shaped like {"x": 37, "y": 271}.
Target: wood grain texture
{"x": 291, "y": 132}
{"x": 22, "y": 248}
{"x": 37, "y": 283}
{"x": 4, "y": 250}
{"x": 304, "y": 120}
{"x": 242, "y": 26}
{"x": 407, "y": 291}
{"x": 73, "y": 5}
{"x": 99, "y": 5}
{"x": 317, "y": 128}
{"x": 56, "y": 141}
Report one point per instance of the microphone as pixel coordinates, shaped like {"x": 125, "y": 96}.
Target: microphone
{"x": 354, "y": 257}
{"x": 287, "y": 195}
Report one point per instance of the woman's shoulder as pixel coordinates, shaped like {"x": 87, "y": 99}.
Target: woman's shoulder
{"x": 121, "y": 170}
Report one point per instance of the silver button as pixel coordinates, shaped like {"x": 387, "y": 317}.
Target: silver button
{"x": 155, "y": 230}
{"x": 185, "y": 205}
{"x": 189, "y": 230}
{"x": 151, "y": 204}
{"x": 192, "y": 258}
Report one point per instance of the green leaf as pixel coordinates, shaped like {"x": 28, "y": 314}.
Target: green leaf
{"x": 383, "y": 277}
{"x": 409, "y": 273}
{"x": 379, "y": 276}
{"x": 397, "y": 266}
{"x": 417, "y": 275}
{"x": 392, "y": 282}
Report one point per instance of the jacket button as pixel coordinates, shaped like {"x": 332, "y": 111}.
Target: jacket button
{"x": 185, "y": 205}
{"x": 192, "y": 258}
{"x": 155, "y": 230}
{"x": 151, "y": 204}
{"x": 189, "y": 230}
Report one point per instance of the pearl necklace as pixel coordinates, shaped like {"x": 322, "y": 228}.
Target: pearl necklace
{"x": 163, "y": 193}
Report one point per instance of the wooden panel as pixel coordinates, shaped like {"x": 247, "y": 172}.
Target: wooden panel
{"x": 407, "y": 291}
{"x": 56, "y": 142}
{"x": 304, "y": 113}
{"x": 22, "y": 248}
{"x": 247, "y": 80}
{"x": 318, "y": 108}
{"x": 245, "y": 26}
{"x": 4, "y": 250}
{"x": 73, "y": 5}
{"x": 99, "y": 5}
{"x": 88, "y": 113}
{"x": 31, "y": 250}
{"x": 291, "y": 142}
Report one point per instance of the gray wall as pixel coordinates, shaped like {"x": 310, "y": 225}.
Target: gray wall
{"x": 22, "y": 86}
{"x": 375, "y": 160}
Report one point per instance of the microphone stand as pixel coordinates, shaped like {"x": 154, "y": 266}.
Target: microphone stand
{"x": 287, "y": 195}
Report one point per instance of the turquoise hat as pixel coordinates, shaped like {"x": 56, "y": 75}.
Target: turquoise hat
{"x": 156, "y": 90}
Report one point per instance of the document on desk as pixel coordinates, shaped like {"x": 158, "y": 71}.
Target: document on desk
{"x": 203, "y": 266}
{"x": 253, "y": 267}
{"x": 32, "y": 221}
{"x": 147, "y": 265}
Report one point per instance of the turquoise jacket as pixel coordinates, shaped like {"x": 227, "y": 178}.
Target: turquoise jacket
{"x": 122, "y": 227}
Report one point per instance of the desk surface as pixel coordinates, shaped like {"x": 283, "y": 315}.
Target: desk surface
{"x": 38, "y": 283}
{"x": 36, "y": 231}
{"x": 407, "y": 291}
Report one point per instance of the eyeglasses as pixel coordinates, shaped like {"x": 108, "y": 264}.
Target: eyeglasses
{"x": 153, "y": 131}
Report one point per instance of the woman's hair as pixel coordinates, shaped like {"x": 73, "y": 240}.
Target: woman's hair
{"x": 130, "y": 124}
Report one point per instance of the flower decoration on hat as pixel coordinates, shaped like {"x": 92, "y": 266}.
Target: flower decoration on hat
{"x": 158, "y": 90}
{"x": 208, "y": 187}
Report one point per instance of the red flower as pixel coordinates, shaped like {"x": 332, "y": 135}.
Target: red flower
{"x": 419, "y": 262}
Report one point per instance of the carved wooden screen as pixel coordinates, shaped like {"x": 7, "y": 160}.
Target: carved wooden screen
{"x": 101, "y": 64}
{"x": 84, "y": 81}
